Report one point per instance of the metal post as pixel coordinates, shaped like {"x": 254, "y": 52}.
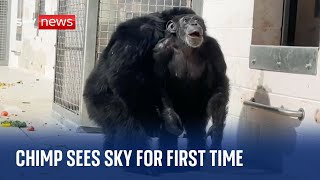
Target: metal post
{"x": 89, "y": 51}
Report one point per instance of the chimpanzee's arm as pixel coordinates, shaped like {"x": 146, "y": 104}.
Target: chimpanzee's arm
{"x": 163, "y": 54}
{"x": 217, "y": 105}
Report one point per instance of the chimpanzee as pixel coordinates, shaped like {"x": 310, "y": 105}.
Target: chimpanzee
{"x": 121, "y": 93}
{"x": 191, "y": 71}
{"x": 123, "y": 96}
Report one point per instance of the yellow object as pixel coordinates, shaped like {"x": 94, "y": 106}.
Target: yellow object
{"x": 6, "y": 124}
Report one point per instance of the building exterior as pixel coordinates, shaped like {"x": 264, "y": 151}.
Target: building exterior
{"x": 241, "y": 27}
{"x": 30, "y": 48}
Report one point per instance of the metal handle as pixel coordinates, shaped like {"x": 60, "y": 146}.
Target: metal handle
{"x": 298, "y": 114}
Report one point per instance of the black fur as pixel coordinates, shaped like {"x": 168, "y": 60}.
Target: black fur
{"x": 195, "y": 86}
{"x": 121, "y": 93}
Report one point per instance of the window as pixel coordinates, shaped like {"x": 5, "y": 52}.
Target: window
{"x": 285, "y": 36}
{"x": 286, "y": 22}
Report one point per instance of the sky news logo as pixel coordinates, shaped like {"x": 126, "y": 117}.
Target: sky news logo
{"x": 57, "y": 22}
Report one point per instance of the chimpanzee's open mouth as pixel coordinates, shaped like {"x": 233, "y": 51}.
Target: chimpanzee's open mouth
{"x": 195, "y": 34}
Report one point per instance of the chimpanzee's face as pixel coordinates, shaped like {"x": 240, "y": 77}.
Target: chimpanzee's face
{"x": 189, "y": 28}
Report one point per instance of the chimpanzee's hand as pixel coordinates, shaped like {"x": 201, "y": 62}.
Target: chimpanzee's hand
{"x": 172, "y": 122}
{"x": 216, "y": 141}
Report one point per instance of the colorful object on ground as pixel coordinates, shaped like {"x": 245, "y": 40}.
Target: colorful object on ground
{"x": 4, "y": 113}
{"x": 6, "y": 124}
{"x": 30, "y": 128}
{"x": 18, "y": 124}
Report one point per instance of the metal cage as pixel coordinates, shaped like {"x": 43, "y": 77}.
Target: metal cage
{"x": 113, "y": 12}
{"x": 69, "y": 57}
{"x": 4, "y": 31}
{"x": 77, "y": 51}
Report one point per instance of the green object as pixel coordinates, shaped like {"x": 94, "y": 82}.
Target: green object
{"x": 6, "y": 122}
{"x": 18, "y": 124}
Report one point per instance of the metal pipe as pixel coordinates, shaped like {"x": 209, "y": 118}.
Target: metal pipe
{"x": 298, "y": 114}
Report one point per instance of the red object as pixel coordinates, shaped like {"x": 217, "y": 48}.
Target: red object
{"x": 30, "y": 128}
{"x": 4, "y": 113}
{"x": 57, "y": 22}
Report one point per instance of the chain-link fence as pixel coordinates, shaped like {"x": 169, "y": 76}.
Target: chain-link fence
{"x": 113, "y": 12}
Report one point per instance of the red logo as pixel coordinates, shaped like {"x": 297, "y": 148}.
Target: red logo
{"x": 57, "y": 22}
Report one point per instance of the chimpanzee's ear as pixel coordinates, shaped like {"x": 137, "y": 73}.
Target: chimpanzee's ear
{"x": 171, "y": 27}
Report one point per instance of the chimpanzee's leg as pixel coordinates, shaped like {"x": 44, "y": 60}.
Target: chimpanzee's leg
{"x": 196, "y": 132}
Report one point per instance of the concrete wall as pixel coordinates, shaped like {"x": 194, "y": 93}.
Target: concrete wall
{"x": 231, "y": 23}
{"x": 36, "y": 51}
{"x": 13, "y": 59}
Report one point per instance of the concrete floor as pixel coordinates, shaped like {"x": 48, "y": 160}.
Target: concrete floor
{"x": 28, "y": 97}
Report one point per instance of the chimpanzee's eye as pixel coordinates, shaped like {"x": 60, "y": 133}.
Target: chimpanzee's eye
{"x": 185, "y": 20}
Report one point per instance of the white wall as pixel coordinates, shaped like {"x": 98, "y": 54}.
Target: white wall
{"x": 13, "y": 59}
{"x": 37, "y": 51}
{"x": 231, "y": 23}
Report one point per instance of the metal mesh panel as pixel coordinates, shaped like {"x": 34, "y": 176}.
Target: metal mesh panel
{"x": 3, "y": 31}
{"x": 42, "y": 8}
{"x": 69, "y": 57}
{"x": 113, "y": 12}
